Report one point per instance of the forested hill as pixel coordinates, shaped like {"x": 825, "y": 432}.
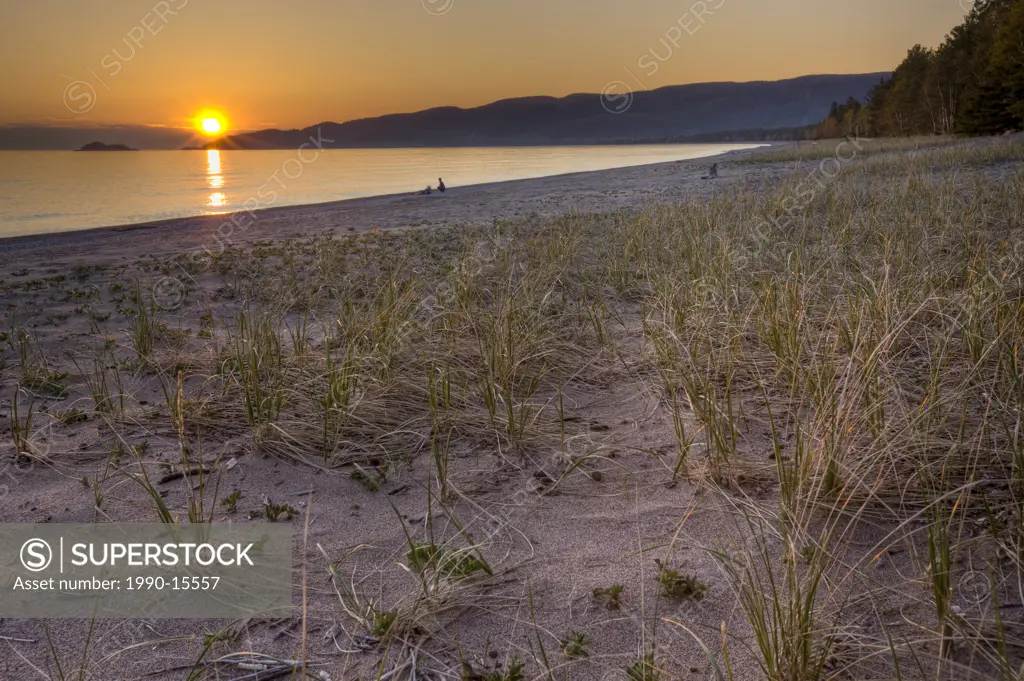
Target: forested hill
{"x": 972, "y": 84}
{"x": 681, "y": 113}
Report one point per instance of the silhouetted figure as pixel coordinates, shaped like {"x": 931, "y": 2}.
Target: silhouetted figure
{"x": 428, "y": 190}
{"x": 712, "y": 174}
{"x": 440, "y": 185}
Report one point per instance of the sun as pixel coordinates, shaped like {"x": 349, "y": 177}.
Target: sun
{"x": 210, "y": 126}
{"x": 209, "y": 121}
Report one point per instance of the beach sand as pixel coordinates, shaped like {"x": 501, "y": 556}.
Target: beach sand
{"x": 556, "y": 549}
{"x": 556, "y": 523}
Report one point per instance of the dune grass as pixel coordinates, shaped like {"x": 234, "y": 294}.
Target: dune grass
{"x": 860, "y": 357}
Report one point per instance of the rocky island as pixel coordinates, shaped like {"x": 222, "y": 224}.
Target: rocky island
{"x": 100, "y": 146}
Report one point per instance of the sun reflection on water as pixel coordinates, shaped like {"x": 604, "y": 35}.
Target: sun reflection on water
{"x": 215, "y": 179}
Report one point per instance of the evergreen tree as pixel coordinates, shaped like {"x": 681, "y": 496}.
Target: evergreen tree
{"x": 973, "y": 83}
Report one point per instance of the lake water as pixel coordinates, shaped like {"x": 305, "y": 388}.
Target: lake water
{"x": 54, "y": 191}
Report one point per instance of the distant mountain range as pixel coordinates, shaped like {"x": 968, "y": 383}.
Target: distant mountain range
{"x": 680, "y": 113}
{"x": 704, "y": 112}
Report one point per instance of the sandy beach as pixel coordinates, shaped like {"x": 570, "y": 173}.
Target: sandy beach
{"x": 583, "y": 383}
{"x": 57, "y": 286}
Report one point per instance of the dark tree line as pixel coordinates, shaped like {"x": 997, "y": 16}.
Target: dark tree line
{"x": 972, "y": 84}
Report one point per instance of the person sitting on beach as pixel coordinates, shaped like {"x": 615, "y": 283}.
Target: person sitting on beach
{"x": 426, "y": 191}
{"x": 712, "y": 174}
{"x": 440, "y": 185}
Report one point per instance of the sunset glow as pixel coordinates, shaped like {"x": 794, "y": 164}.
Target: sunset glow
{"x": 365, "y": 71}
{"x": 210, "y": 125}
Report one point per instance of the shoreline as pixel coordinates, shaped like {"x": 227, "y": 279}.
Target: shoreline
{"x": 593, "y": 190}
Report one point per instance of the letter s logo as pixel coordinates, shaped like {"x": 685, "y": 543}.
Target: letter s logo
{"x": 36, "y": 555}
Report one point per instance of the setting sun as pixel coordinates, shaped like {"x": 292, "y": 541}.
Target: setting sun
{"x": 210, "y": 121}
{"x": 211, "y": 126}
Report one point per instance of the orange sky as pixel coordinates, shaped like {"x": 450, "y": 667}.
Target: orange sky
{"x": 270, "y": 63}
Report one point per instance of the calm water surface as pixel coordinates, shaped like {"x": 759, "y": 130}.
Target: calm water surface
{"x": 55, "y": 191}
